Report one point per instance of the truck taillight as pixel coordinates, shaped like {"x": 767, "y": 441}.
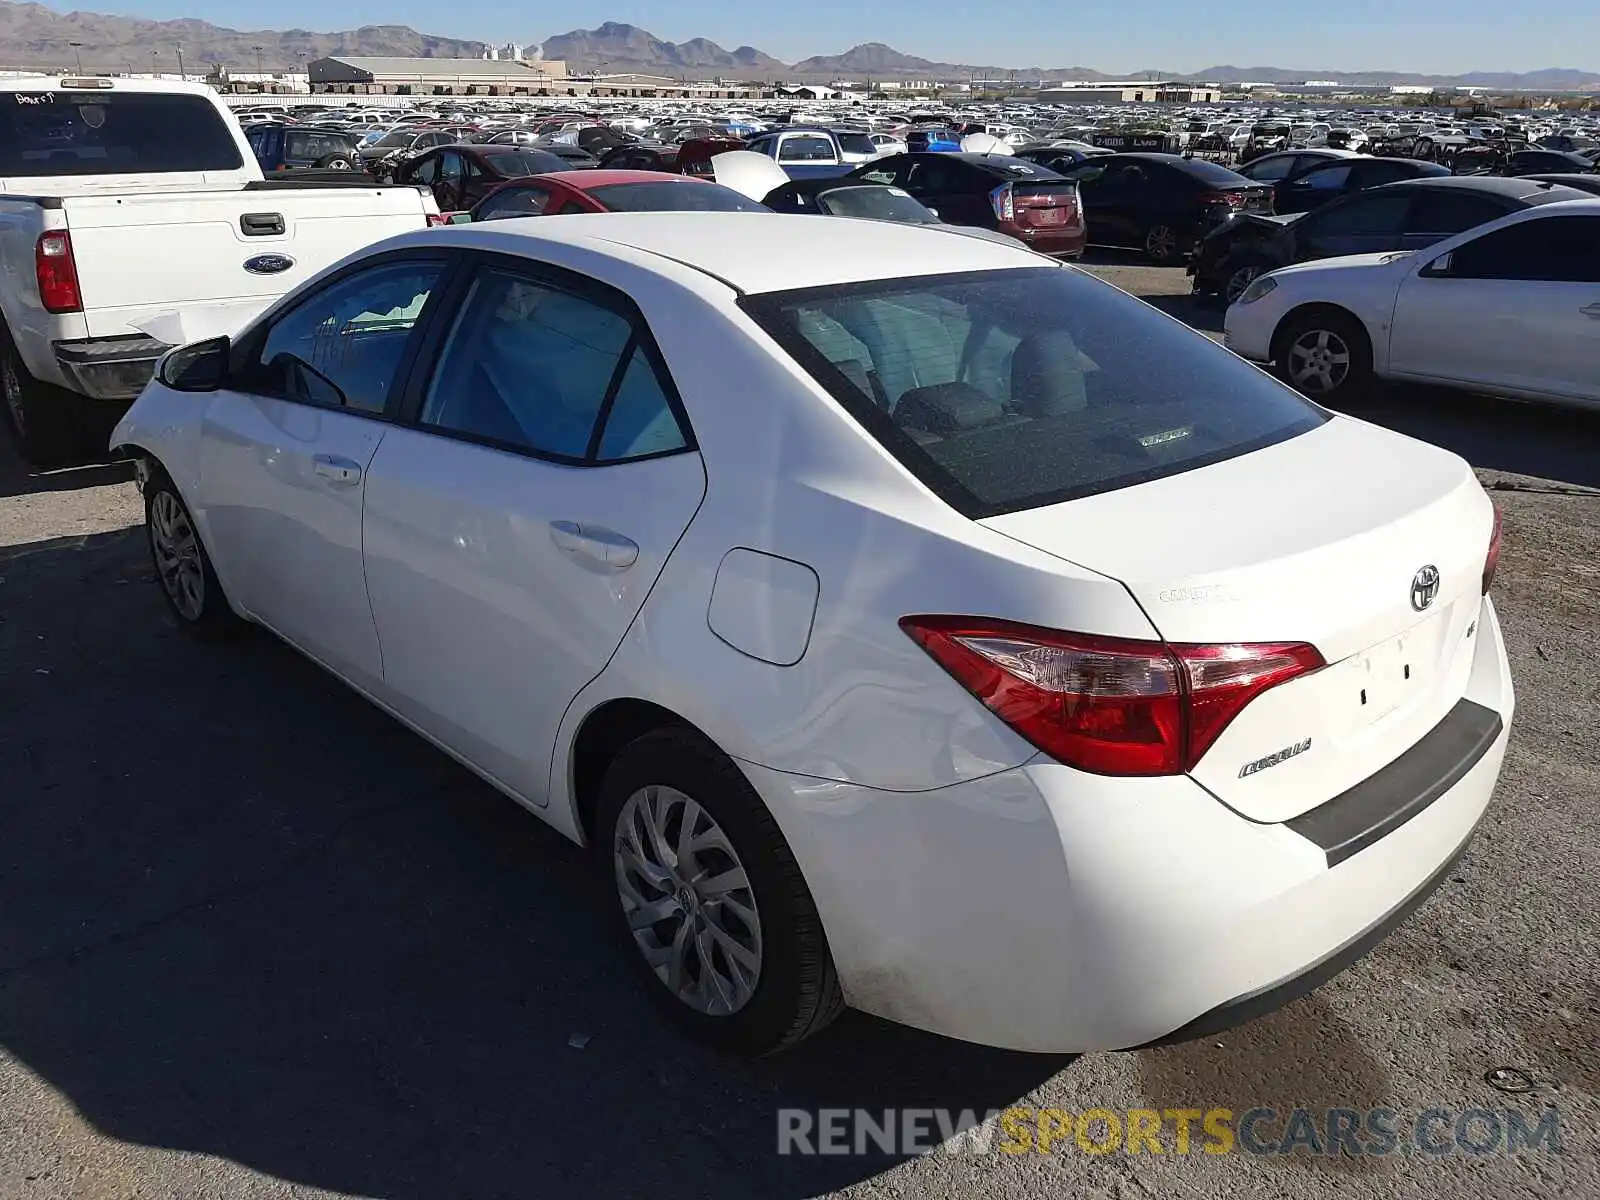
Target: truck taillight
{"x": 57, "y": 273}
{"x": 1005, "y": 206}
{"x": 1491, "y": 561}
{"x": 1111, "y": 706}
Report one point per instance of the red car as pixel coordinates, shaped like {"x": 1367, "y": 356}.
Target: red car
{"x": 562, "y": 192}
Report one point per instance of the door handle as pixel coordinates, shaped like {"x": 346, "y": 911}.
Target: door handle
{"x": 600, "y": 546}
{"x": 1591, "y": 310}
{"x": 342, "y": 472}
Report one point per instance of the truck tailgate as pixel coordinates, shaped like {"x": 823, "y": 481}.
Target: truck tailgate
{"x": 139, "y": 256}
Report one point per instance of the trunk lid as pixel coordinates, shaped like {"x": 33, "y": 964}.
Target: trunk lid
{"x": 144, "y": 255}
{"x": 1317, "y": 539}
{"x": 1046, "y": 204}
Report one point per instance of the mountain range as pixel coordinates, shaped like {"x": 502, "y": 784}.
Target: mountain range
{"x": 32, "y": 35}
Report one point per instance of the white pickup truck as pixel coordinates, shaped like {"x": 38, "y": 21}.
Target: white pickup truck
{"x": 133, "y": 216}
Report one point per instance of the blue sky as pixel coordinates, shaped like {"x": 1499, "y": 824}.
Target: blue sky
{"x": 1178, "y": 35}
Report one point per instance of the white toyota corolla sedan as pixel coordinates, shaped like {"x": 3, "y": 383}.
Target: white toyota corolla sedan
{"x": 1511, "y": 308}
{"x": 906, "y": 621}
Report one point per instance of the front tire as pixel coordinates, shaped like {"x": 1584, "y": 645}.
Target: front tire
{"x": 183, "y": 569}
{"x": 1162, "y": 245}
{"x": 1325, "y": 354}
{"x": 711, "y": 906}
{"x": 1237, "y": 275}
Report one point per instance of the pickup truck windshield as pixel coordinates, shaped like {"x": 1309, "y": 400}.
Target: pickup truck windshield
{"x": 109, "y": 133}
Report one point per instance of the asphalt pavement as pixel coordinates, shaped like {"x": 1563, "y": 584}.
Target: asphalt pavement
{"x": 257, "y": 940}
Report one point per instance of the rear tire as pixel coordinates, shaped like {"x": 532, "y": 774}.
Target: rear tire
{"x": 40, "y": 418}
{"x": 1325, "y": 354}
{"x": 736, "y": 955}
{"x": 334, "y": 162}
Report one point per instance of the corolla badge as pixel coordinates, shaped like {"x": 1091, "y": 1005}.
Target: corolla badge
{"x": 268, "y": 264}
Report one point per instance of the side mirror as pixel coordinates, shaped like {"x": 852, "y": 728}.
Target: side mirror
{"x": 934, "y": 211}
{"x": 197, "y": 367}
{"x": 1439, "y": 266}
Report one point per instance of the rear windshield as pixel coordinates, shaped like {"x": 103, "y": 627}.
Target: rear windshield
{"x": 668, "y": 196}
{"x": 1013, "y": 389}
{"x": 875, "y": 204}
{"x": 1210, "y": 172}
{"x": 856, "y": 143}
{"x": 108, "y": 133}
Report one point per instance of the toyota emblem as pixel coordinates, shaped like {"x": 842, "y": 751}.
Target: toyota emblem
{"x": 1424, "y": 587}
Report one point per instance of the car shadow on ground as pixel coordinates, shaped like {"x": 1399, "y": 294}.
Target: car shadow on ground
{"x": 17, "y": 478}
{"x": 244, "y": 913}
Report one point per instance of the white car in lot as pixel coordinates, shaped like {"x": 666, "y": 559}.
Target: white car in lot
{"x": 906, "y": 622}
{"x": 1510, "y": 308}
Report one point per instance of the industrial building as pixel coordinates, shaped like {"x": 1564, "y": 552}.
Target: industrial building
{"x": 1137, "y": 91}
{"x": 438, "y": 76}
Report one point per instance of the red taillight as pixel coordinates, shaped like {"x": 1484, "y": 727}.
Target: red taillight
{"x": 1232, "y": 201}
{"x": 1112, "y": 706}
{"x": 57, "y": 273}
{"x": 1005, "y": 208}
{"x": 1492, "y": 560}
{"x": 438, "y": 219}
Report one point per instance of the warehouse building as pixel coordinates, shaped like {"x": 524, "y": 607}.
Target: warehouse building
{"x": 438, "y": 77}
{"x": 1138, "y": 91}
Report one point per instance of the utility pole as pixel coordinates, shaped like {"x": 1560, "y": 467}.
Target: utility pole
{"x": 155, "y": 63}
{"x": 77, "y": 52}
{"x": 257, "y": 49}
{"x": 181, "y": 74}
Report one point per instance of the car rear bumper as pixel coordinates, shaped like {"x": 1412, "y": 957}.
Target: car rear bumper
{"x": 1058, "y": 243}
{"x": 1045, "y": 909}
{"x": 109, "y": 368}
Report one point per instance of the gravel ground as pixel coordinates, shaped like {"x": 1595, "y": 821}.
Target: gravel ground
{"x": 256, "y": 940}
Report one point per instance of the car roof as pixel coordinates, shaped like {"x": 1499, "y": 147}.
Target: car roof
{"x": 1586, "y": 182}
{"x": 1513, "y": 187}
{"x": 762, "y": 252}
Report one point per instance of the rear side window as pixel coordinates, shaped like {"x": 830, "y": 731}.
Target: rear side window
{"x": 111, "y": 133}
{"x": 534, "y": 368}
{"x": 1007, "y": 390}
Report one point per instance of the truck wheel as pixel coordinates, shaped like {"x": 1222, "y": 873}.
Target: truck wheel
{"x": 39, "y": 417}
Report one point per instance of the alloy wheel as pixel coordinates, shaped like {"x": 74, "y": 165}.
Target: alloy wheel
{"x": 1161, "y": 243}
{"x": 688, "y": 900}
{"x": 1241, "y": 278}
{"x": 177, "y": 553}
{"x": 1319, "y": 361}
